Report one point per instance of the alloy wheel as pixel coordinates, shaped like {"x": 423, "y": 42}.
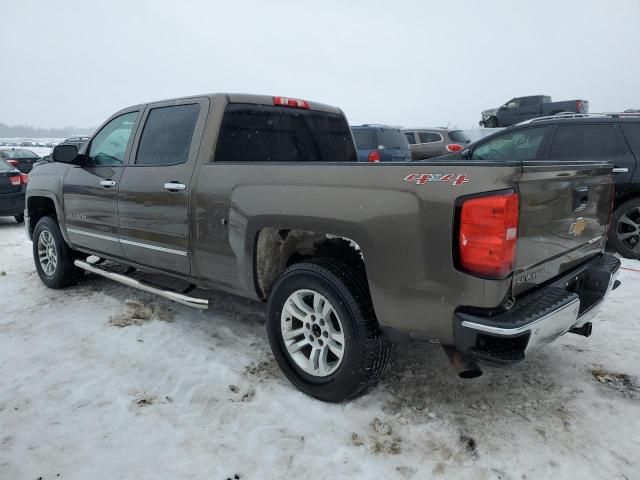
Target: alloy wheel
{"x": 312, "y": 332}
{"x": 628, "y": 229}
{"x": 47, "y": 253}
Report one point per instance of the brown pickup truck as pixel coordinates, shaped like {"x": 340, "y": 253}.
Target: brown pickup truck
{"x": 263, "y": 197}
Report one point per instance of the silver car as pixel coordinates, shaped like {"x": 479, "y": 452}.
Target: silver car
{"x": 433, "y": 142}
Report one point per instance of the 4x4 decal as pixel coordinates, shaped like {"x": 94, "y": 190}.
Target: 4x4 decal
{"x": 422, "y": 178}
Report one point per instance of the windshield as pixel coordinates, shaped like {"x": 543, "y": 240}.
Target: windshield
{"x": 17, "y": 153}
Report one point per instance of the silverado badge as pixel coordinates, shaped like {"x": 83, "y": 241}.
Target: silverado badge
{"x": 578, "y": 227}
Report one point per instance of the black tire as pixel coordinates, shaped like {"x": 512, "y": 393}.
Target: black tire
{"x": 366, "y": 349}
{"x": 19, "y": 218}
{"x": 491, "y": 122}
{"x": 64, "y": 273}
{"x": 629, "y": 245}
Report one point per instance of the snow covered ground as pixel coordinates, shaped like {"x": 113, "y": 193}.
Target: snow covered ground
{"x": 86, "y": 392}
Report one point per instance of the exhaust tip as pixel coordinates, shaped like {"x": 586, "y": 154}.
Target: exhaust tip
{"x": 584, "y": 330}
{"x": 471, "y": 373}
{"x": 466, "y": 365}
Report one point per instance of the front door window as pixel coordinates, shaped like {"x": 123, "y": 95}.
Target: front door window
{"x": 108, "y": 147}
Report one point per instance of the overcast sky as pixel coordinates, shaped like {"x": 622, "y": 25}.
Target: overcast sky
{"x": 420, "y": 63}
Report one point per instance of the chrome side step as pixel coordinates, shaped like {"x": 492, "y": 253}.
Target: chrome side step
{"x": 194, "y": 302}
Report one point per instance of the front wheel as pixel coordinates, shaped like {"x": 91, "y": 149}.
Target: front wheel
{"x": 52, "y": 256}
{"x": 491, "y": 122}
{"x": 624, "y": 234}
{"x": 323, "y": 331}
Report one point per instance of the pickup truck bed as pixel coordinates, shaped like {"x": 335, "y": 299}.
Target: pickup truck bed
{"x": 348, "y": 255}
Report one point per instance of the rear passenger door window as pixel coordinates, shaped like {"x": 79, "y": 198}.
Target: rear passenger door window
{"x": 166, "y": 138}
{"x": 429, "y": 137}
{"x": 520, "y": 146}
{"x": 584, "y": 141}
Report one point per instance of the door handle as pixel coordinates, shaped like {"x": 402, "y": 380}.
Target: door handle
{"x": 107, "y": 183}
{"x": 620, "y": 170}
{"x": 175, "y": 186}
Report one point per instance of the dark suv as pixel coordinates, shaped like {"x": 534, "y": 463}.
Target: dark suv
{"x": 611, "y": 138}
{"x": 381, "y": 143}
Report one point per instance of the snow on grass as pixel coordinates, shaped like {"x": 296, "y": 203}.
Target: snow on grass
{"x": 101, "y": 381}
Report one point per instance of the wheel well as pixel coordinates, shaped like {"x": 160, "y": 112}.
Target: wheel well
{"x": 277, "y": 248}
{"x": 39, "y": 207}
{"x": 625, "y": 198}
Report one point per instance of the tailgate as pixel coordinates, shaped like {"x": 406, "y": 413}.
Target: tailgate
{"x": 564, "y": 213}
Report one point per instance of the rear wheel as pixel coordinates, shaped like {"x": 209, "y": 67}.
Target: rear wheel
{"x": 624, "y": 235}
{"x": 323, "y": 331}
{"x": 52, "y": 256}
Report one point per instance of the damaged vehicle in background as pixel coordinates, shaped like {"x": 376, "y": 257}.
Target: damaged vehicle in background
{"x": 525, "y": 108}
{"x": 265, "y": 197}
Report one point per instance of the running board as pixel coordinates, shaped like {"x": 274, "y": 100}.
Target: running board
{"x": 194, "y": 302}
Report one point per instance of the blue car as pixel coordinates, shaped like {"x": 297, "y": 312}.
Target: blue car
{"x": 381, "y": 143}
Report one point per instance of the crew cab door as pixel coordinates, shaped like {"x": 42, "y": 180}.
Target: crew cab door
{"x": 155, "y": 188}
{"x": 90, "y": 192}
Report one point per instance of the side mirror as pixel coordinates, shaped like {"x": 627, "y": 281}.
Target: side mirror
{"x": 465, "y": 154}
{"x": 64, "y": 153}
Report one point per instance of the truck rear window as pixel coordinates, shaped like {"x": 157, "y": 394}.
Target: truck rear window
{"x": 263, "y": 133}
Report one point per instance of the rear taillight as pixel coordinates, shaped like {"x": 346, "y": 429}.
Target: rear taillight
{"x": 454, "y": 147}
{"x": 291, "y": 102}
{"x": 24, "y": 178}
{"x": 487, "y": 235}
{"x": 578, "y": 106}
{"x": 374, "y": 156}
{"x": 13, "y": 163}
{"x": 15, "y": 181}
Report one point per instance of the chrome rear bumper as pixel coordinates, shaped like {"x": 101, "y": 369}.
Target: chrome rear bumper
{"x": 540, "y": 317}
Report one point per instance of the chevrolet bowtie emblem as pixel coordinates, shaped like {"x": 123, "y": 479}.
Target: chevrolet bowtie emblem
{"x": 578, "y": 227}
